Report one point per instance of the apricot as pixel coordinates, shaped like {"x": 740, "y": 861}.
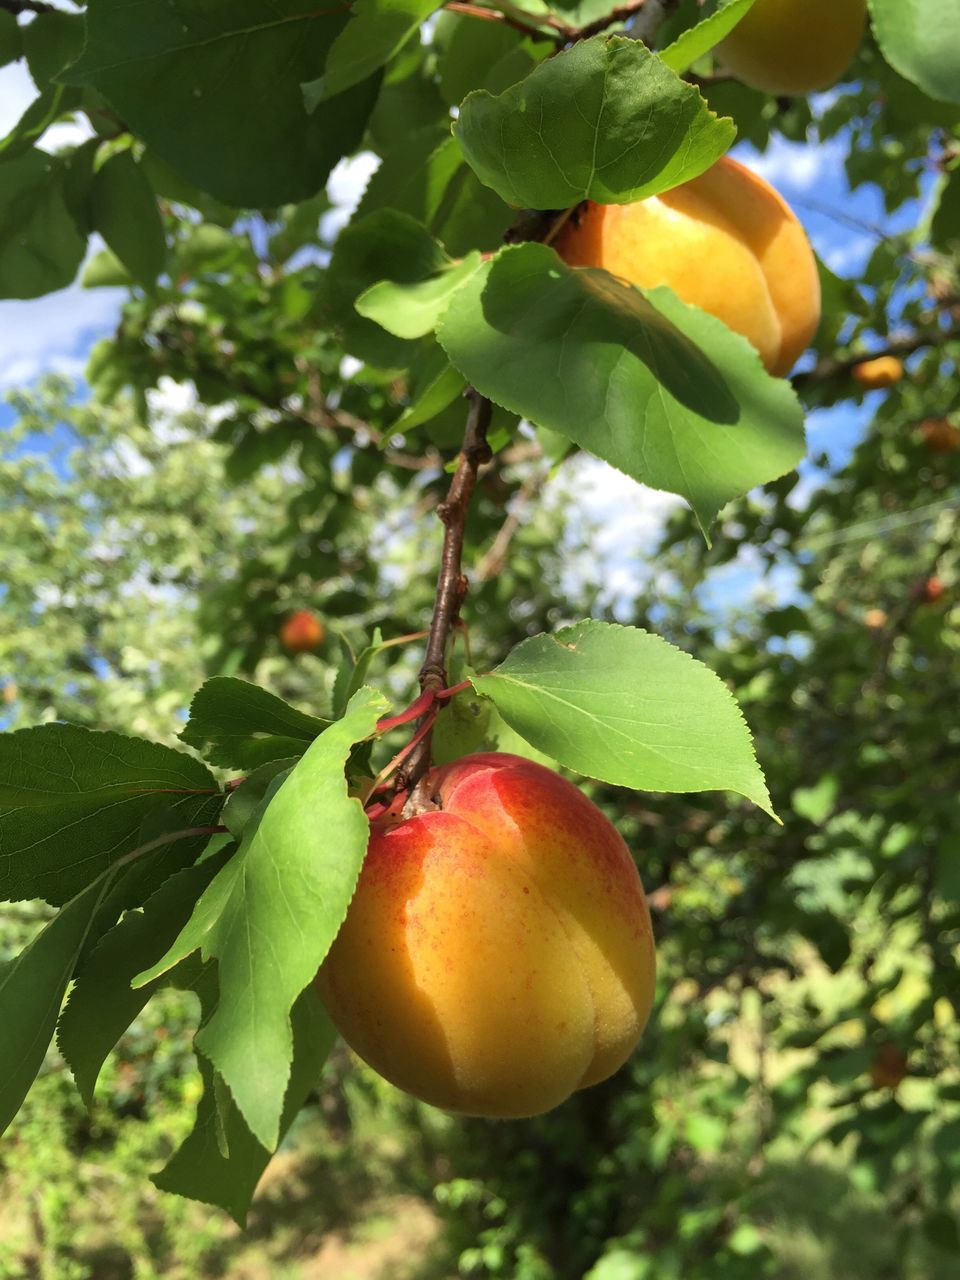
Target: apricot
{"x": 875, "y": 619}
{"x": 497, "y": 955}
{"x": 302, "y": 632}
{"x": 929, "y": 591}
{"x": 884, "y": 371}
{"x": 940, "y": 435}
{"x": 889, "y": 1067}
{"x": 794, "y": 46}
{"x": 726, "y": 242}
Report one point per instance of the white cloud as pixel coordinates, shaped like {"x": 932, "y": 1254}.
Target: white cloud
{"x": 54, "y": 332}
{"x": 17, "y": 91}
{"x": 795, "y": 166}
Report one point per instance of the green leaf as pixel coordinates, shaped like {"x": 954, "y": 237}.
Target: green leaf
{"x": 254, "y": 791}
{"x": 50, "y": 41}
{"x": 481, "y": 55}
{"x": 102, "y": 1004}
{"x": 41, "y": 247}
{"x": 72, "y": 801}
{"x": 270, "y": 916}
{"x": 11, "y": 38}
{"x": 414, "y": 310}
{"x": 921, "y": 40}
{"x": 414, "y": 176}
{"x": 383, "y": 246}
{"x": 623, "y": 706}
{"x": 239, "y": 726}
{"x": 376, "y": 30}
{"x": 215, "y": 90}
{"x": 604, "y": 121}
{"x": 945, "y": 224}
{"x": 32, "y": 987}
{"x": 126, "y": 215}
{"x": 221, "y": 1162}
{"x": 55, "y": 101}
{"x": 706, "y": 35}
{"x": 105, "y": 271}
{"x": 661, "y": 390}
{"x": 942, "y": 1230}
{"x": 435, "y": 384}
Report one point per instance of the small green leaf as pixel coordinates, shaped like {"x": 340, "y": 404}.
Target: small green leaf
{"x": 376, "y": 30}
{"x": 50, "y": 41}
{"x": 706, "y": 35}
{"x": 435, "y": 385}
{"x": 72, "y": 801}
{"x": 921, "y": 40}
{"x": 102, "y": 1004}
{"x": 382, "y": 246}
{"x": 32, "y": 988}
{"x": 125, "y": 213}
{"x": 41, "y": 247}
{"x": 271, "y": 914}
{"x": 221, "y": 1162}
{"x": 623, "y": 706}
{"x": 11, "y": 38}
{"x": 945, "y": 223}
{"x": 414, "y": 310}
{"x": 55, "y": 101}
{"x": 241, "y": 726}
{"x": 663, "y": 391}
{"x": 255, "y": 790}
{"x": 604, "y": 121}
{"x": 105, "y": 271}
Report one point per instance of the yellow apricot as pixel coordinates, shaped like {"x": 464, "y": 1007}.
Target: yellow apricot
{"x": 884, "y": 371}
{"x": 497, "y": 954}
{"x": 794, "y": 46}
{"x": 726, "y": 242}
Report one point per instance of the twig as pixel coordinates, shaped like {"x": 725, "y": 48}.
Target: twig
{"x": 905, "y": 346}
{"x": 451, "y": 583}
{"x": 28, "y": 6}
{"x": 559, "y": 35}
{"x": 495, "y": 558}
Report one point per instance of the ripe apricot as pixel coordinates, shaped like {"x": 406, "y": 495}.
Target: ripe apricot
{"x": 929, "y": 591}
{"x": 875, "y": 619}
{"x": 497, "y": 954}
{"x": 302, "y": 632}
{"x": 940, "y": 435}
{"x": 889, "y": 1068}
{"x": 884, "y": 371}
{"x": 726, "y": 242}
{"x": 794, "y": 46}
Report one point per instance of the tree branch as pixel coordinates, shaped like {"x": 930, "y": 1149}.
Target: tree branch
{"x": 829, "y": 368}
{"x": 451, "y": 583}
{"x": 28, "y": 6}
{"x": 558, "y": 35}
{"x": 492, "y": 563}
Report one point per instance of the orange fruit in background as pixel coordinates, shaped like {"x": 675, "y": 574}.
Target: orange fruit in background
{"x": 940, "y": 435}
{"x": 302, "y": 632}
{"x": 885, "y": 371}
{"x": 794, "y": 46}
{"x": 889, "y": 1067}
{"x": 726, "y": 242}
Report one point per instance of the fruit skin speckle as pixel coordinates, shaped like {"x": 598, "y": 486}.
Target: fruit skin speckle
{"x": 498, "y": 953}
